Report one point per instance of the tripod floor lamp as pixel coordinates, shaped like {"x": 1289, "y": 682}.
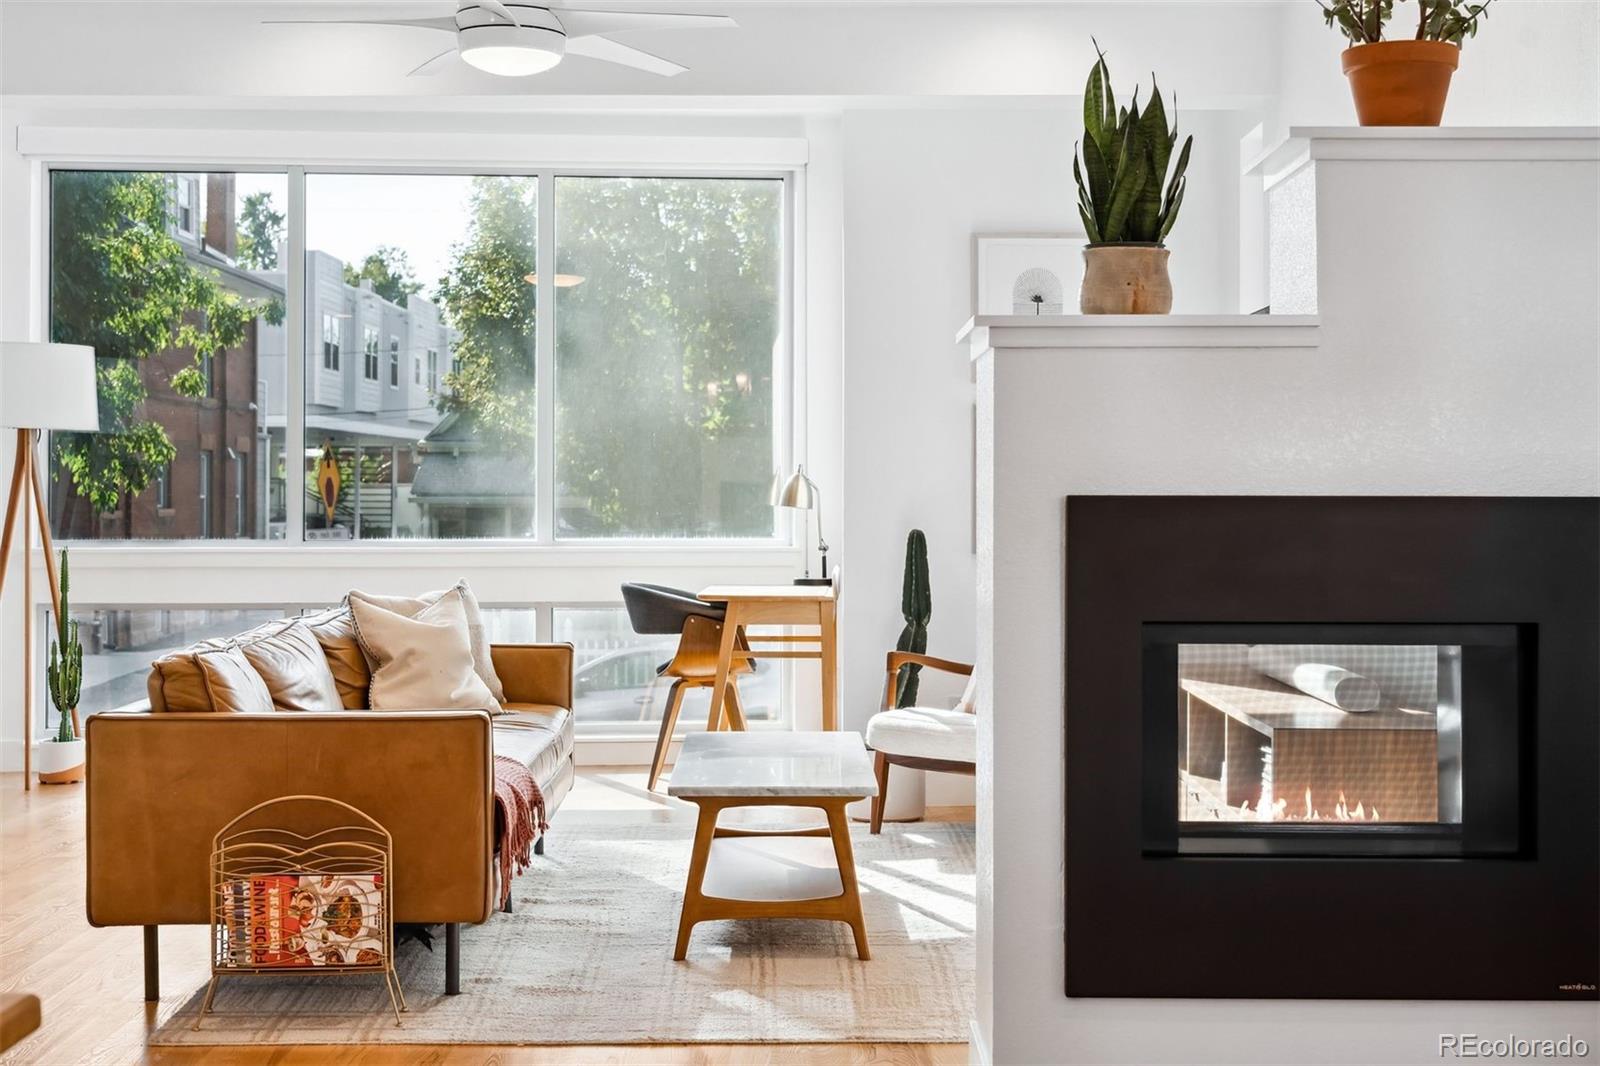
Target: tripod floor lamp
{"x": 42, "y": 386}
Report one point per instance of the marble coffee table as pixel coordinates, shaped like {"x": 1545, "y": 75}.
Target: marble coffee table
{"x": 757, "y": 873}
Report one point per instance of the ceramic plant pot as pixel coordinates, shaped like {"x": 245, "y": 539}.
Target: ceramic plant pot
{"x": 59, "y": 762}
{"x": 1400, "y": 83}
{"x": 1125, "y": 279}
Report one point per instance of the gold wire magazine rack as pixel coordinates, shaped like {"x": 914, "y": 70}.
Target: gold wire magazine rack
{"x": 302, "y": 901}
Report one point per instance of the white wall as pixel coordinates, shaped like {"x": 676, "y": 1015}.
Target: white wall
{"x": 1451, "y": 361}
{"x": 917, "y": 185}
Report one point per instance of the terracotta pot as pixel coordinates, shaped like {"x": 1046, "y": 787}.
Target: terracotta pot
{"x": 1125, "y": 279}
{"x": 60, "y": 762}
{"x": 1400, "y": 83}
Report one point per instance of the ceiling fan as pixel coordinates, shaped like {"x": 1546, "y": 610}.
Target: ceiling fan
{"x": 514, "y": 38}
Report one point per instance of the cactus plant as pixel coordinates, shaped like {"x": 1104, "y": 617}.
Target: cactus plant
{"x": 916, "y": 604}
{"x": 64, "y": 671}
{"x": 1125, "y": 153}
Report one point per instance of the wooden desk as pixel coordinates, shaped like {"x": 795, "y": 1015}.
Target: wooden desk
{"x": 777, "y": 605}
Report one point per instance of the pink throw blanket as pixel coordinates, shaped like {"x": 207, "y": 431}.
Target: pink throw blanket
{"x": 522, "y": 818}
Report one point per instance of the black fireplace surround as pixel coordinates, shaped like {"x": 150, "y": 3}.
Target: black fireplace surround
{"x": 1228, "y": 835}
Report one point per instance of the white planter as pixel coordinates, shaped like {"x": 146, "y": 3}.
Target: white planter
{"x": 59, "y": 762}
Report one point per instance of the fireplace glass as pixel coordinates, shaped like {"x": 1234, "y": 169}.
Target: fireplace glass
{"x": 1347, "y": 734}
{"x": 1314, "y": 746}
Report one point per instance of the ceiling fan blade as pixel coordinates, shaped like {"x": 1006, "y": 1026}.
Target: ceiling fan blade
{"x": 497, "y": 8}
{"x": 448, "y": 24}
{"x": 581, "y": 23}
{"x": 622, "y": 54}
{"x": 432, "y": 65}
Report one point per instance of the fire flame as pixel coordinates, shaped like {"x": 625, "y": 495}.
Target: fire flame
{"x": 1278, "y": 811}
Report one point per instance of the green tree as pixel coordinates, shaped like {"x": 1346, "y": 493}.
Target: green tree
{"x": 121, "y": 283}
{"x": 487, "y": 297}
{"x": 260, "y": 230}
{"x": 389, "y": 270}
{"x": 665, "y": 353}
{"x": 665, "y": 346}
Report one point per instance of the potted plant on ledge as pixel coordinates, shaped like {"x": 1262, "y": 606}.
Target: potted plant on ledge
{"x": 61, "y": 757}
{"x": 1126, "y": 199}
{"x": 1402, "y": 82}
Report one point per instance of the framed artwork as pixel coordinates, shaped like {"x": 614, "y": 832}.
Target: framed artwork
{"x": 1027, "y": 273}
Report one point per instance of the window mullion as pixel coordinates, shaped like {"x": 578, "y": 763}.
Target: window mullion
{"x": 296, "y": 337}
{"x": 544, "y": 366}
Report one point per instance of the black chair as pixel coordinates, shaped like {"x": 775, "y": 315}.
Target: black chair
{"x": 659, "y": 609}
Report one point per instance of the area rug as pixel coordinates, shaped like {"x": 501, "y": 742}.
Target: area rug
{"x": 585, "y": 958}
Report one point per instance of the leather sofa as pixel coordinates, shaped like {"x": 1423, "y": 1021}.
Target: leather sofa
{"x": 162, "y": 781}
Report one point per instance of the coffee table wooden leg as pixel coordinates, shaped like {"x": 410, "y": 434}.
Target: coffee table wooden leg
{"x": 704, "y": 832}
{"x": 839, "y": 830}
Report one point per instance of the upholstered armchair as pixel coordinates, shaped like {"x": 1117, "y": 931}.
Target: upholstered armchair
{"x": 921, "y": 738}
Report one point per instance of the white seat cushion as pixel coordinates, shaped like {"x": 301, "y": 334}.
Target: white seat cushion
{"x": 925, "y": 733}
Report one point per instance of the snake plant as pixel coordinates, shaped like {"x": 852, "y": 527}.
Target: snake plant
{"x": 1363, "y": 21}
{"x": 1125, "y": 195}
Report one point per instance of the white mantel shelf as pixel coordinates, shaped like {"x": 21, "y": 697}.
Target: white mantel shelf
{"x": 1425, "y": 143}
{"x": 986, "y": 333}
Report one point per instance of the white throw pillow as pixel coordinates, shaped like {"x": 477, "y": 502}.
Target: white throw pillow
{"x": 421, "y": 662}
{"x": 477, "y": 632}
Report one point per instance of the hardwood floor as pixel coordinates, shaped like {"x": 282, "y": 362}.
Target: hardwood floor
{"x": 89, "y": 979}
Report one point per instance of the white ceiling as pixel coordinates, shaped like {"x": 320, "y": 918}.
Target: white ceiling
{"x": 1219, "y": 54}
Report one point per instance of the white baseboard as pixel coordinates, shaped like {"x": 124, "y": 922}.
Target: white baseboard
{"x": 11, "y": 755}
{"x": 977, "y": 1050}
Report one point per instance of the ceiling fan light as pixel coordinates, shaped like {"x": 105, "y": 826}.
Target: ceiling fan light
{"x": 511, "y": 51}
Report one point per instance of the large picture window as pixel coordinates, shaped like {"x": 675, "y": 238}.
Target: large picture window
{"x": 667, "y": 324}
{"x": 663, "y": 388}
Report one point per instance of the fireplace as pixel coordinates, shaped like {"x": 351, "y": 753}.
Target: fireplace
{"x": 1332, "y": 748}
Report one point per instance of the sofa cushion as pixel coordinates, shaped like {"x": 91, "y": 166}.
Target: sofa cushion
{"x": 232, "y": 684}
{"x": 291, "y": 662}
{"x": 925, "y": 733}
{"x": 539, "y": 736}
{"x": 176, "y": 682}
{"x": 477, "y": 632}
{"x": 335, "y": 630}
{"x": 420, "y": 663}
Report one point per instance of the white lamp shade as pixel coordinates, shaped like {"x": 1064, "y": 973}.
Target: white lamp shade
{"x": 48, "y": 386}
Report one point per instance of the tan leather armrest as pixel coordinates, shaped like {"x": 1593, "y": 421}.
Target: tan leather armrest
{"x": 535, "y": 673}
{"x": 161, "y": 785}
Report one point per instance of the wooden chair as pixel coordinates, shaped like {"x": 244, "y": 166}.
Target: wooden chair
{"x": 921, "y": 738}
{"x": 659, "y": 609}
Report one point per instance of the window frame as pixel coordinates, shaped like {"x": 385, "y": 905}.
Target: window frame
{"x": 241, "y": 501}
{"x": 163, "y": 485}
{"x": 789, "y": 444}
{"x": 204, "y": 465}
{"x": 369, "y": 355}
{"x": 332, "y": 340}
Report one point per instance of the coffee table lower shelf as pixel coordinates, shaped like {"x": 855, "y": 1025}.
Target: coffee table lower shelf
{"x": 751, "y": 873}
